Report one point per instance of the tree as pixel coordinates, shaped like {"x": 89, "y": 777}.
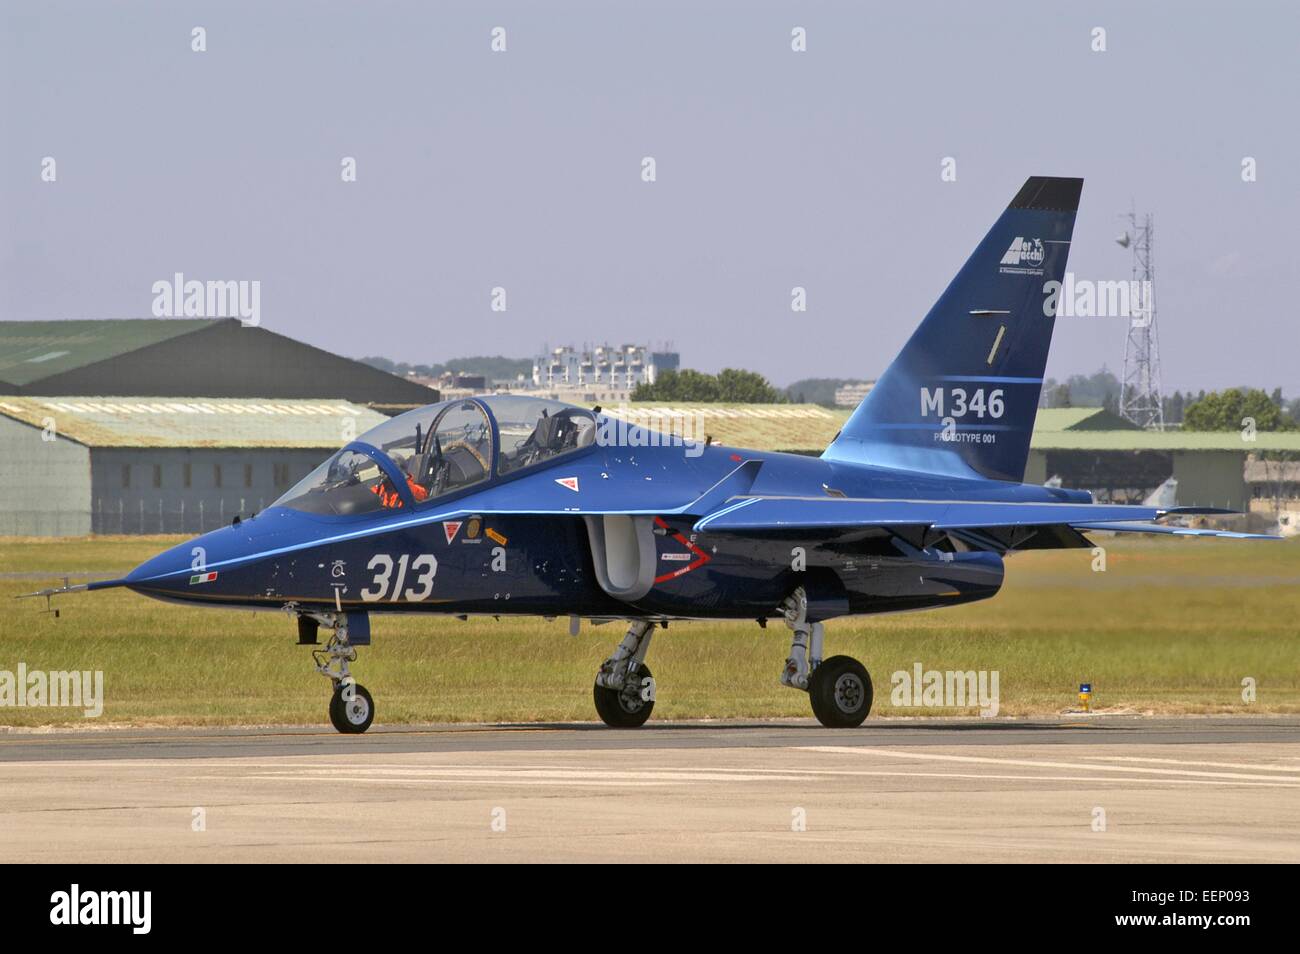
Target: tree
{"x": 730, "y": 384}
{"x": 1293, "y": 410}
{"x": 1100, "y": 389}
{"x": 747, "y": 387}
{"x": 1174, "y": 408}
{"x": 1225, "y": 411}
{"x": 817, "y": 390}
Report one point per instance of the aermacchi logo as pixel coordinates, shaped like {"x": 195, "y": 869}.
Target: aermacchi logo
{"x": 1024, "y": 255}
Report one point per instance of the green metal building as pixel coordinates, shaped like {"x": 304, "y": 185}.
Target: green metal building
{"x": 71, "y": 466}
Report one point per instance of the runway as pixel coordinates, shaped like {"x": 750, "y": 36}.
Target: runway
{"x": 1072, "y": 789}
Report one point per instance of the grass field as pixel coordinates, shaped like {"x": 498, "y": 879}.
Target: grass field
{"x": 1171, "y": 626}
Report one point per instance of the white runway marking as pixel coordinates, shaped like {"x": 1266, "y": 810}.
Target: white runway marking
{"x": 529, "y": 775}
{"x": 1231, "y": 765}
{"x": 1227, "y": 777}
{"x": 547, "y": 774}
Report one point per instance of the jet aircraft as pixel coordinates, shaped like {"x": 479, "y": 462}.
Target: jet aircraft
{"x": 510, "y": 506}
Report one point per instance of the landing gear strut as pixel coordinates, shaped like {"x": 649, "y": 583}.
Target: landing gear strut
{"x": 839, "y": 688}
{"x": 351, "y": 707}
{"x": 625, "y": 689}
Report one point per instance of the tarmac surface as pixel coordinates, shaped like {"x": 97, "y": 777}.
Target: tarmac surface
{"x": 1070, "y": 789}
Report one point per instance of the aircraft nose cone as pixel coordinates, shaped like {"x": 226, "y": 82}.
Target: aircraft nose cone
{"x": 219, "y": 550}
{"x": 192, "y": 558}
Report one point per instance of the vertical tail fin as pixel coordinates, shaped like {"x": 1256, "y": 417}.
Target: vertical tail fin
{"x": 962, "y": 395}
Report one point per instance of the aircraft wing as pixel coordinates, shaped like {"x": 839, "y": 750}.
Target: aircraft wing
{"x": 1008, "y": 524}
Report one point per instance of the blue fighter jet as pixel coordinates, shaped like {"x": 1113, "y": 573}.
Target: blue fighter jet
{"x": 510, "y": 506}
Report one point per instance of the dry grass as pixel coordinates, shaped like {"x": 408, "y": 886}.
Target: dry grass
{"x": 1172, "y": 626}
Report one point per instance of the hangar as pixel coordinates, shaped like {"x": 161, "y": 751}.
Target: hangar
{"x": 142, "y": 464}
{"x": 71, "y": 466}
{"x": 1095, "y": 450}
{"x": 169, "y": 357}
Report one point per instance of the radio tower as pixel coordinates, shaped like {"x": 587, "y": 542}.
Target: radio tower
{"x": 1140, "y": 398}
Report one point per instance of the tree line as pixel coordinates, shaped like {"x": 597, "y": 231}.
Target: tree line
{"x": 1194, "y": 411}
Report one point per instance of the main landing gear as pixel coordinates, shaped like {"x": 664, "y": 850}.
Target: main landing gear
{"x": 625, "y": 689}
{"x": 351, "y": 707}
{"x": 839, "y": 688}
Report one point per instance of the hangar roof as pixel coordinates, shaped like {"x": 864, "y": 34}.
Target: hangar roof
{"x": 1092, "y": 428}
{"x": 1080, "y": 419}
{"x": 318, "y": 424}
{"x": 175, "y": 357}
{"x": 195, "y": 422}
{"x": 1170, "y": 440}
{"x": 32, "y": 350}
{"x": 809, "y": 428}
{"x": 775, "y": 427}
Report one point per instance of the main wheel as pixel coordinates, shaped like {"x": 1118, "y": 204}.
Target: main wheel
{"x": 352, "y": 715}
{"x": 841, "y": 693}
{"x": 627, "y": 708}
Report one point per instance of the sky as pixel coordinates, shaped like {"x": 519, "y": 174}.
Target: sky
{"x": 522, "y": 169}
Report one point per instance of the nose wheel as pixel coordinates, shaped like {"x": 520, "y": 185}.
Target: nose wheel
{"x": 351, "y": 708}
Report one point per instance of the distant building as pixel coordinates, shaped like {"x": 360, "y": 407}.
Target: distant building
{"x": 615, "y": 370}
{"x": 851, "y": 394}
{"x": 167, "y": 357}
{"x": 71, "y": 466}
{"x": 471, "y": 382}
{"x": 451, "y": 385}
{"x": 1275, "y": 490}
{"x": 1093, "y": 449}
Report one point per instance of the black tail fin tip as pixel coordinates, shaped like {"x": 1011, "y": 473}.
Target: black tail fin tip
{"x": 1048, "y": 194}
{"x": 961, "y": 397}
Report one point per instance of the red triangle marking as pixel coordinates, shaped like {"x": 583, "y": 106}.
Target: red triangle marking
{"x": 451, "y": 528}
{"x": 570, "y": 482}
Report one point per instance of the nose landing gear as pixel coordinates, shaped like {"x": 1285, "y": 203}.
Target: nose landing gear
{"x": 351, "y": 708}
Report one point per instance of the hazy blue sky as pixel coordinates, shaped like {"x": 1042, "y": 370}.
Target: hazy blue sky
{"x": 522, "y": 169}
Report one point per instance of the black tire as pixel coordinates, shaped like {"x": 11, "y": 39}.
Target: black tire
{"x": 617, "y": 711}
{"x": 841, "y": 693}
{"x": 352, "y": 717}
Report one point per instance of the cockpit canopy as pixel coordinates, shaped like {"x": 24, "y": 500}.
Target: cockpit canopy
{"x": 434, "y": 451}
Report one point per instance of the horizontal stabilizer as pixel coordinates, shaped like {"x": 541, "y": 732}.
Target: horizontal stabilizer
{"x": 921, "y": 522}
{"x": 806, "y": 513}
{"x": 1172, "y": 529}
